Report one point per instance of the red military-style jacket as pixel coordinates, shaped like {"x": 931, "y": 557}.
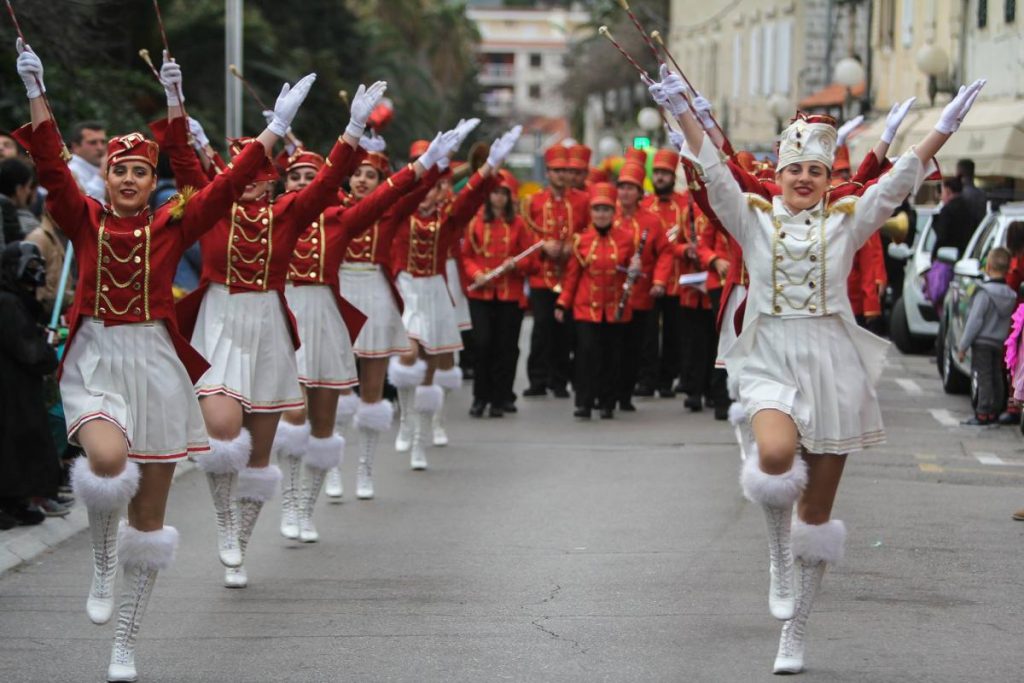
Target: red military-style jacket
{"x": 690, "y": 296}
{"x": 551, "y": 218}
{"x": 595, "y": 274}
{"x": 712, "y": 245}
{"x": 249, "y": 249}
{"x": 126, "y": 264}
{"x": 656, "y": 260}
{"x": 867, "y": 274}
{"x": 421, "y": 243}
{"x": 486, "y": 246}
{"x": 674, "y": 212}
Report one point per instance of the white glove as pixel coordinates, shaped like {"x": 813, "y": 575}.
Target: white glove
{"x": 443, "y": 163}
{"x": 268, "y": 115}
{"x": 198, "y": 134}
{"x": 670, "y": 93}
{"x": 362, "y": 106}
{"x": 465, "y": 127}
{"x": 441, "y": 146}
{"x": 501, "y": 147}
{"x": 372, "y": 144}
{"x": 30, "y": 69}
{"x": 676, "y": 139}
{"x": 702, "y": 107}
{"x": 288, "y": 103}
{"x": 844, "y": 130}
{"x": 895, "y": 118}
{"x": 953, "y": 115}
{"x": 170, "y": 78}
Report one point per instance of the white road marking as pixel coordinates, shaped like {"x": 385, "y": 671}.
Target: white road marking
{"x": 986, "y": 458}
{"x": 944, "y": 417}
{"x": 910, "y": 386}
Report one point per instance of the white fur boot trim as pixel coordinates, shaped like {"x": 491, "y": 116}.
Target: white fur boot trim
{"x": 448, "y": 379}
{"x": 226, "y": 457}
{"x": 737, "y": 415}
{"x": 428, "y": 399}
{"x": 376, "y": 416}
{"x": 323, "y": 454}
{"x": 106, "y": 494}
{"x": 258, "y": 483}
{"x": 402, "y": 376}
{"x": 291, "y": 440}
{"x": 150, "y": 550}
{"x": 348, "y": 404}
{"x": 775, "y": 490}
{"x": 813, "y": 543}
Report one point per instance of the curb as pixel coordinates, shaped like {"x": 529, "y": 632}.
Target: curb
{"x": 25, "y": 543}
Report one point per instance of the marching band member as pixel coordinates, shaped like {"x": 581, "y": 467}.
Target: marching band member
{"x": 592, "y": 288}
{"x": 493, "y": 238}
{"x": 805, "y": 370}
{"x": 128, "y": 371}
{"x": 429, "y": 316}
{"x": 579, "y": 167}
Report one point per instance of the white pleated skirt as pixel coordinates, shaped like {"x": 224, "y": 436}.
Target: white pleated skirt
{"x": 429, "y": 314}
{"x": 366, "y": 287}
{"x": 462, "y": 318}
{"x": 246, "y": 340}
{"x": 131, "y": 376}
{"x": 325, "y": 358}
{"x": 812, "y": 369}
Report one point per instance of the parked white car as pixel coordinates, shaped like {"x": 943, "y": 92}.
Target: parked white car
{"x": 914, "y": 322}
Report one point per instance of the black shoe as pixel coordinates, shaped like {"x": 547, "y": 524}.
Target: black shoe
{"x": 509, "y": 407}
{"x": 709, "y": 401}
{"x": 583, "y": 413}
{"x": 477, "y": 409}
{"x": 496, "y": 411}
{"x": 1009, "y": 418}
{"x": 26, "y": 516}
{"x": 560, "y": 392}
{"x": 535, "y": 390}
{"x": 7, "y": 521}
{"x": 694, "y": 403}
{"x": 627, "y": 406}
{"x": 667, "y": 392}
{"x": 722, "y": 411}
{"x": 978, "y": 421}
{"x": 607, "y": 413}
{"x": 643, "y": 390}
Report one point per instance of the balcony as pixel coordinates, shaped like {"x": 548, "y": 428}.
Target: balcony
{"x": 497, "y": 72}
{"x": 499, "y": 103}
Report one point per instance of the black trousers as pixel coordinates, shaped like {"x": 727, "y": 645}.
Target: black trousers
{"x": 989, "y": 372}
{"x": 496, "y": 327}
{"x": 698, "y": 327}
{"x": 633, "y": 340}
{"x": 719, "y": 377}
{"x": 661, "y": 358}
{"x": 598, "y": 359}
{"x": 548, "y": 364}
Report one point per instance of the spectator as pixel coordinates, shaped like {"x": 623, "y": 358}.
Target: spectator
{"x": 18, "y": 183}
{"x": 988, "y": 323}
{"x": 15, "y": 176}
{"x": 88, "y": 149}
{"x": 8, "y": 147}
{"x": 973, "y": 195}
{"x": 955, "y": 223}
{"x": 29, "y": 467}
{"x": 52, "y": 245}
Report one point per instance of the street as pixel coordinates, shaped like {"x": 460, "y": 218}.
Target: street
{"x": 537, "y": 548}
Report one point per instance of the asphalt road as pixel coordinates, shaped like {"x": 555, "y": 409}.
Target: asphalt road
{"x": 537, "y": 548}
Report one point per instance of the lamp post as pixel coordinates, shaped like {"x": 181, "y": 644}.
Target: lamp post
{"x": 849, "y": 73}
{"x": 779, "y": 107}
{"x": 233, "y": 55}
{"x": 933, "y": 62}
{"x": 649, "y": 121}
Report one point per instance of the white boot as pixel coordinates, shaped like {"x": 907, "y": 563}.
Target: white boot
{"x": 143, "y": 555}
{"x": 290, "y": 443}
{"x": 221, "y": 465}
{"x": 371, "y": 420}
{"x": 426, "y": 404}
{"x": 105, "y": 498}
{"x": 741, "y": 429}
{"x": 405, "y": 378}
{"x": 776, "y": 494}
{"x": 815, "y": 547}
{"x": 449, "y": 380}
{"x": 347, "y": 406}
{"x": 321, "y": 456}
{"x": 256, "y": 485}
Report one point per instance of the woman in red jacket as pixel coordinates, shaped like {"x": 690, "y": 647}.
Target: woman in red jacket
{"x": 128, "y": 372}
{"x": 492, "y": 239}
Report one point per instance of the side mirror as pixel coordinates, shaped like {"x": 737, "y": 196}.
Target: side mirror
{"x": 968, "y": 267}
{"x": 899, "y": 252}
{"x": 948, "y": 255}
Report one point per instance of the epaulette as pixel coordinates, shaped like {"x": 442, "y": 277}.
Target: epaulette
{"x": 845, "y": 205}
{"x": 758, "y": 202}
{"x": 180, "y": 201}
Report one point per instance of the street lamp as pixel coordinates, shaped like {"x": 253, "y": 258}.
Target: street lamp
{"x": 933, "y": 62}
{"x": 608, "y": 146}
{"x": 849, "y": 73}
{"x": 779, "y": 107}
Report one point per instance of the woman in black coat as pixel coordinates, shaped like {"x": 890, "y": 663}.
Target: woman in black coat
{"x": 29, "y": 466}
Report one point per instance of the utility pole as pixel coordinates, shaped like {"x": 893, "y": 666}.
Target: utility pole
{"x": 232, "y": 55}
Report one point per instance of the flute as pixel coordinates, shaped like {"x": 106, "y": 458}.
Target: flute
{"x": 505, "y": 267}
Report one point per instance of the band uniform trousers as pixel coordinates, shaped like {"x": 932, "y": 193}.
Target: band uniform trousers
{"x": 988, "y": 369}
{"x": 548, "y": 364}
{"x": 598, "y": 360}
{"x": 496, "y": 326}
{"x": 632, "y": 350}
{"x": 719, "y": 376}
{"x": 698, "y": 326}
{"x": 661, "y": 358}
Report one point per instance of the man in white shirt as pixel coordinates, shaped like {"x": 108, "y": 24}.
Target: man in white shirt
{"x": 88, "y": 147}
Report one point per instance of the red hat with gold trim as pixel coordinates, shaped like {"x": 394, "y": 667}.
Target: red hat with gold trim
{"x": 379, "y": 161}
{"x": 557, "y": 156}
{"x": 417, "y": 148}
{"x": 603, "y": 194}
{"x": 842, "y": 160}
{"x": 747, "y": 161}
{"x": 634, "y": 173}
{"x": 267, "y": 170}
{"x": 304, "y": 158}
{"x": 579, "y": 157}
{"x": 666, "y": 160}
{"x": 597, "y": 175}
{"x": 508, "y": 181}
{"x": 132, "y": 147}
{"x": 637, "y": 155}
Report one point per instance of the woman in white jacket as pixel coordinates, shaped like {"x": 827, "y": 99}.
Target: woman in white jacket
{"x": 806, "y": 371}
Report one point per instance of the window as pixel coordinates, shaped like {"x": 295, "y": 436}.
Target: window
{"x": 535, "y": 91}
{"x": 983, "y": 238}
{"x": 737, "y": 65}
{"x": 887, "y": 23}
{"x": 784, "y": 48}
{"x": 907, "y": 24}
{"x": 1009, "y": 11}
{"x": 535, "y": 60}
{"x": 753, "y": 85}
{"x": 768, "y": 59}
{"x": 982, "y": 13}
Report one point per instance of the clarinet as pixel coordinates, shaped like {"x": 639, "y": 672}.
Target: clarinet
{"x": 631, "y": 278}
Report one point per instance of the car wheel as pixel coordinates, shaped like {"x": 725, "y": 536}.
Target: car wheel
{"x": 899, "y": 330}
